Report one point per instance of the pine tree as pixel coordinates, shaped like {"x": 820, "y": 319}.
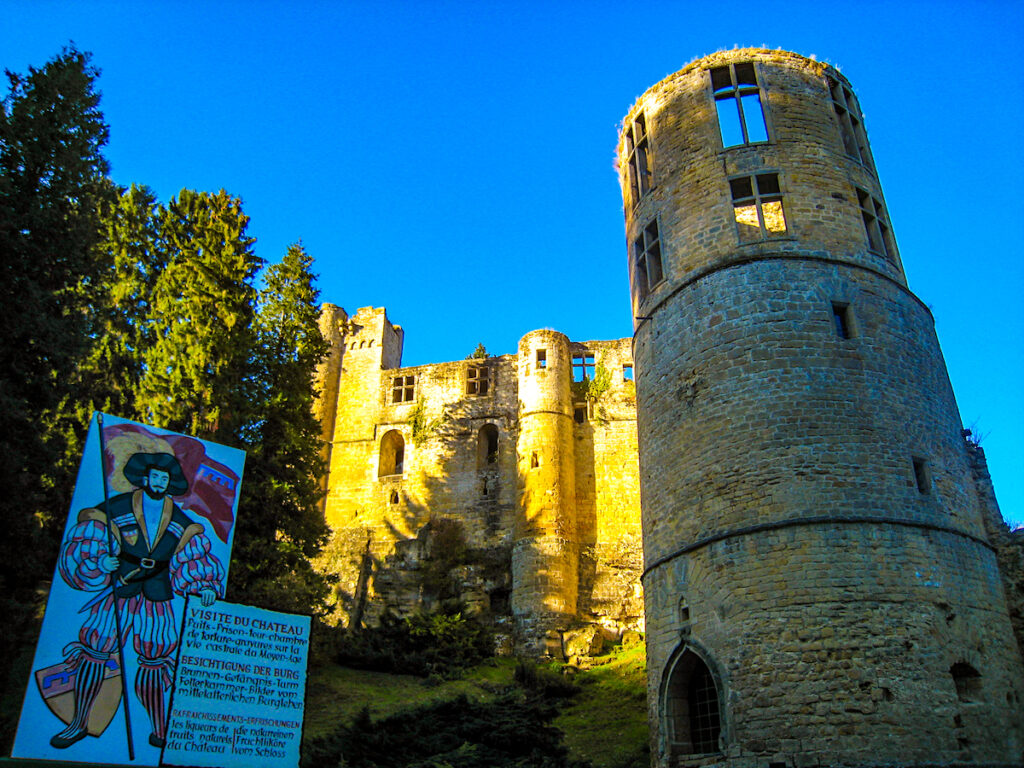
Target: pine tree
{"x": 280, "y": 525}
{"x": 198, "y": 367}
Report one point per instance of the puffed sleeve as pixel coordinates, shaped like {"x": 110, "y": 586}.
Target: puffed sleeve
{"x": 194, "y": 567}
{"x": 80, "y": 556}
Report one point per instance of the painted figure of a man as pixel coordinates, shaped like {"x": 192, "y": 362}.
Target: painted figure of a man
{"x": 158, "y": 552}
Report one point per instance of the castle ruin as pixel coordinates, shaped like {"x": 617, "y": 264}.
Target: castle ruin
{"x": 820, "y": 585}
{"x": 515, "y": 473}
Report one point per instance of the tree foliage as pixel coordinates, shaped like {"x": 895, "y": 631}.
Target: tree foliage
{"x": 197, "y": 369}
{"x": 52, "y": 178}
{"x": 280, "y": 524}
{"x": 115, "y": 302}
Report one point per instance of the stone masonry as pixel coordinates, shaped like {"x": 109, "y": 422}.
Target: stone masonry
{"x": 820, "y": 581}
{"x": 498, "y": 484}
{"x": 821, "y": 540}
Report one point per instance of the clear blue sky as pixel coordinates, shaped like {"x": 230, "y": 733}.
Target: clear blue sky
{"x": 453, "y": 161}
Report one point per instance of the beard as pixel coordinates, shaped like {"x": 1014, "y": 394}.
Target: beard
{"x": 152, "y": 494}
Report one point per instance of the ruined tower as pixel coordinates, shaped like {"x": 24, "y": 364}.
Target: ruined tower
{"x": 545, "y": 549}
{"x": 819, "y": 585}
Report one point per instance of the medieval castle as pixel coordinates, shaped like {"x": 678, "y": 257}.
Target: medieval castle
{"x": 785, "y": 475}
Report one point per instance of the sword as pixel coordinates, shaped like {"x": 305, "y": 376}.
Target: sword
{"x": 117, "y": 613}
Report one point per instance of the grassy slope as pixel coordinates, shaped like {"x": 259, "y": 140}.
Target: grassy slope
{"x": 606, "y": 723}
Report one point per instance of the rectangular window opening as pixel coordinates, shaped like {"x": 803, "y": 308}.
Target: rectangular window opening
{"x": 875, "y": 225}
{"x": 638, "y": 158}
{"x": 542, "y": 359}
{"x": 403, "y": 389}
{"x": 851, "y": 123}
{"x": 841, "y": 316}
{"x": 627, "y": 372}
{"x": 647, "y": 272}
{"x": 477, "y": 380}
{"x": 583, "y": 367}
{"x": 759, "y": 214}
{"x": 579, "y": 413}
{"x": 739, "y": 105}
{"x": 922, "y": 475}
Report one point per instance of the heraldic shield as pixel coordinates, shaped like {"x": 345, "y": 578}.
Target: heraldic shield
{"x": 57, "y": 687}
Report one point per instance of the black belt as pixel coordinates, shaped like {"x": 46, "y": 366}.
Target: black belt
{"x": 149, "y": 564}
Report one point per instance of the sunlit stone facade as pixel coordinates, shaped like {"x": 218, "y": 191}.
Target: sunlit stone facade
{"x": 494, "y": 483}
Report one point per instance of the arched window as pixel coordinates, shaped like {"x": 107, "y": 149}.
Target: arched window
{"x": 691, "y": 707}
{"x": 392, "y": 454}
{"x": 486, "y": 446}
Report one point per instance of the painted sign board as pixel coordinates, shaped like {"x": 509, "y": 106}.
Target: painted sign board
{"x": 151, "y": 521}
{"x": 239, "y": 688}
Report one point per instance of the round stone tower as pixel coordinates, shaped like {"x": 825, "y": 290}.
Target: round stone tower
{"x": 545, "y": 551}
{"x": 819, "y": 585}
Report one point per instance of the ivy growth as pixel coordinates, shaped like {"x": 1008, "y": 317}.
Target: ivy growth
{"x": 421, "y": 426}
{"x": 592, "y": 389}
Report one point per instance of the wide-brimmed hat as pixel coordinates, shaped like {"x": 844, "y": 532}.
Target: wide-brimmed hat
{"x": 138, "y": 466}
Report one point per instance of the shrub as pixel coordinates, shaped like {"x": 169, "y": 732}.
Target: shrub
{"x": 424, "y": 644}
{"x": 506, "y": 733}
{"x": 544, "y": 682}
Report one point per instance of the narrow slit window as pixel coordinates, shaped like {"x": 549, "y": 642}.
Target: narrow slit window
{"x": 876, "y": 225}
{"x": 403, "y": 389}
{"x": 534, "y": 461}
{"x": 647, "y": 273}
{"x": 757, "y": 207}
{"x": 922, "y": 475}
{"x": 542, "y": 359}
{"x": 739, "y": 105}
{"x": 579, "y": 413}
{"x": 638, "y": 153}
{"x": 841, "y": 315}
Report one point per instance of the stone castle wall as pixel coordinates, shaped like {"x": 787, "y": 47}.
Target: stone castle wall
{"x": 813, "y": 540}
{"x": 505, "y": 502}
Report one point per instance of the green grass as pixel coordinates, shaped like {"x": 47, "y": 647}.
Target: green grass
{"x": 336, "y": 694}
{"x": 605, "y": 723}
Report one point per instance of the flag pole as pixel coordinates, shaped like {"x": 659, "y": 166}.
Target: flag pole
{"x": 113, "y": 587}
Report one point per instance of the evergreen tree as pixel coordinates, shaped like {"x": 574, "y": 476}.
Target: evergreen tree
{"x": 280, "y": 525}
{"x": 133, "y": 258}
{"x": 198, "y": 377}
{"x": 52, "y": 175}
{"x": 130, "y": 257}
